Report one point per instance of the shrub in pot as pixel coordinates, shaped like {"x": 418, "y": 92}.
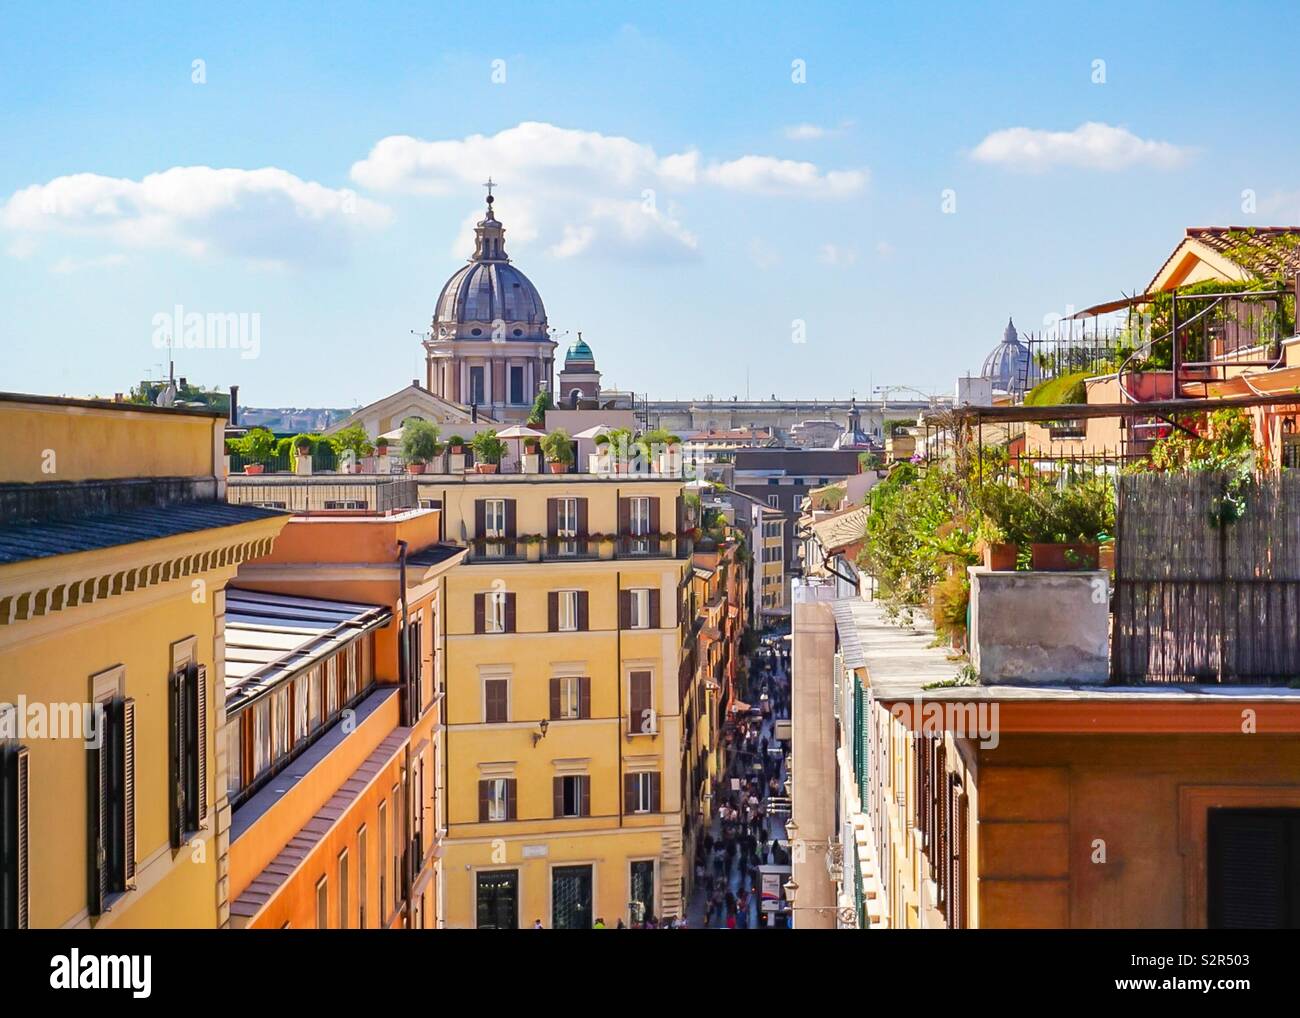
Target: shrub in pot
{"x": 257, "y": 446}
{"x": 558, "y": 448}
{"x": 488, "y": 450}
{"x": 419, "y": 444}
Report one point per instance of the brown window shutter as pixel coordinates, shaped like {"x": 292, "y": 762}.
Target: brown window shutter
{"x": 585, "y": 783}
{"x": 480, "y": 613}
{"x": 510, "y": 613}
{"x": 15, "y": 786}
{"x": 176, "y": 756}
{"x": 654, "y": 514}
{"x": 654, "y": 793}
{"x": 624, "y": 515}
{"x": 98, "y": 826}
{"x": 959, "y": 863}
{"x": 553, "y": 611}
{"x": 582, "y": 517}
{"x": 128, "y": 792}
{"x": 640, "y": 701}
{"x": 557, "y": 795}
{"x": 654, "y": 608}
{"x": 511, "y": 517}
{"x": 624, "y": 609}
{"x": 680, "y": 513}
{"x": 629, "y": 793}
{"x": 584, "y": 697}
{"x": 584, "y": 619}
{"x": 512, "y": 799}
{"x": 552, "y": 516}
{"x": 201, "y": 739}
{"x": 555, "y": 699}
{"x": 480, "y": 517}
{"x": 484, "y": 795}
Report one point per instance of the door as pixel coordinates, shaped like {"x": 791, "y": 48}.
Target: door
{"x": 498, "y": 900}
{"x": 641, "y": 903}
{"x": 1253, "y": 869}
{"x": 571, "y": 898}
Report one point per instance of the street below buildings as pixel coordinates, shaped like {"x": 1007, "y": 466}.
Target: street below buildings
{"x": 746, "y": 836}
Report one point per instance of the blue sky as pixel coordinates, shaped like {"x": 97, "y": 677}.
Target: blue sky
{"x": 664, "y": 182}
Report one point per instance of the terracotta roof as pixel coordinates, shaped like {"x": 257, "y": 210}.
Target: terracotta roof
{"x": 1224, "y": 239}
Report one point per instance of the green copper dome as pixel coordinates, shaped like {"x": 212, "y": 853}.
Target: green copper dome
{"x": 579, "y": 352}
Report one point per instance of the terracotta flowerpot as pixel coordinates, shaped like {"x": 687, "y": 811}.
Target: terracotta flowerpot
{"x": 415, "y": 468}
{"x": 1106, "y": 555}
{"x": 1061, "y": 558}
{"x": 1001, "y": 556}
{"x": 558, "y": 468}
{"x": 485, "y": 468}
{"x": 255, "y": 468}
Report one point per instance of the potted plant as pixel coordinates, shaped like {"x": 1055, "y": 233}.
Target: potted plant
{"x": 664, "y": 450}
{"x": 531, "y": 460}
{"x": 419, "y": 444}
{"x": 456, "y": 454}
{"x": 1066, "y": 523}
{"x": 354, "y": 444}
{"x": 257, "y": 447}
{"x": 559, "y": 451}
{"x": 618, "y": 448}
{"x": 999, "y": 553}
{"x": 488, "y": 450}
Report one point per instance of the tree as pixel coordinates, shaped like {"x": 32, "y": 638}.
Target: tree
{"x": 558, "y": 447}
{"x": 487, "y": 447}
{"x": 354, "y": 439}
{"x": 537, "y": 415}
{"x": 419, "y": 441}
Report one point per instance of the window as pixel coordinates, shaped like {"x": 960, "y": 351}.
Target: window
{"x": 641, "y": 792}
{"x": 15, "y": 839}
{"x": 641, "y": 714}
{"x": 396, "y": 845}
{"x": 261, "y": 736}
{"x": 571, "y": 903}
{"x": 640, "y": 516}
{"x": 573, "y": 795}
{"x": 363, "y": 891}
{"x": 1253, "y": 869}
{"x": 516, "y": 384}
{"x": 345, "y": 503}
{"x": 774, "y": 501}
{"x": 383, "y": 861}
{"x": 280, "y": 743}
{"x": 352, "y": 661}
{"x": 496, "y": 800}
{"x": 112, "y": 784}
{"x": 641, "y": 881}
{"x": 315, "y": 680}
{"x": 344, "y": 904}
{"x": 568, "y": 611}
{"x": 476, "y": 388}
{"x": 415, "y": 662}
{"x": 496, "y": 701}
{"x": 322, "y": 904}
{"x": 494, "y": 612}
{"x": 300, "y": 698}
{"x": 188, "y": 758}
{"x": 331, "y": 686}
{"x": 640, "y": 609}
{"x": 566, "y": 524}
{"x": 570, "y": 698}
{"x": 235, "y": 754}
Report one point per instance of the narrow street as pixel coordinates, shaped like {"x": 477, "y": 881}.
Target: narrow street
{"x": 750, "y": 810}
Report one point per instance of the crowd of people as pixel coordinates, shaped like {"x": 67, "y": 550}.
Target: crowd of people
{"x": 727, "y": 861}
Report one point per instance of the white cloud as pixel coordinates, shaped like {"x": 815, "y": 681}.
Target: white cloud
{"x": 581, "y": 192}
{"x": 806, "y": 132}
{"x": 66, "y": 265}
{"x": 266, "y": 215}
{"x": 1090, "y": 146}
{"x": 838, "y": 255}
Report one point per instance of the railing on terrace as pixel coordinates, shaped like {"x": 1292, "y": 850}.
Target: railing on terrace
{"x": 309, "y": 496}
{"x": 547, "y": 549}
{"x": 1206, "y": 592}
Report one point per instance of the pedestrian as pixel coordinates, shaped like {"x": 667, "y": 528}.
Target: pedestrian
{"x": 621, "y": 925}
{"x": 731, "y": 922}
{"x": 537, "y": 924}
{"x": 600, "y": 924}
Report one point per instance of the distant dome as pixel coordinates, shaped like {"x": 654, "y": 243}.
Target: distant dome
{"x": 579, "y": 353}
{"x": 490, "y": 289}
{"x": 1009, "y": 364}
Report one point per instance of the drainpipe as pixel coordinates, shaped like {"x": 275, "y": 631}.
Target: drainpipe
{"x": 403, "y": 665}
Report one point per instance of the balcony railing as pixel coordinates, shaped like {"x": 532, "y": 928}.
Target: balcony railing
{"x": 535, "y": 548}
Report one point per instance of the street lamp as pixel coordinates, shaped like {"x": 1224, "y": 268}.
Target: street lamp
{"x": 791, "y": 829}
{"x": 790, "y": 887}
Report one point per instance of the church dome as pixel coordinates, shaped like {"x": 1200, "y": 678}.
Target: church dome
{"x": 1009, "y": 364}
{"x": 490, "y": 289}
{"x": 579, "y": 353}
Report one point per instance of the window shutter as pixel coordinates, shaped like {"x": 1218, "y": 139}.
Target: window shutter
{"x": 555, "y": 699}
{"x": 201, "y": 741}
{"x": 625, "y": 609}
{"x": 629, "y": 793}
{"x": 484, "y": 795}
{"x": 624, "y": 515}
{"x": 480, "y": 517}
{"x": 512, "y": 799}
{"x": 480, "y": 613}
{"x": 959, "y": 863}
{"x": 557, "y": 796}
{"x": 510, "y": 613}
{"x": 128, "y": 792}
{"x": 654, "y": 607}
{"x": 552, "y": 517}
{"x": 585, "y": 783}
{"x": 582, "y": 517}
{"x": 654, "y": 514}
{"x": 511, "y": 516}
{"x": 15, "y": 786}
{"x": 553, "y": 611}
{"x": 176, "y": 757}
{"x": 98, "y": 825}
{"x": 584, "y": 697}
{"x": 654, "y": 793}
{"x": 584, "y": 619}
{"x": 679, "y": 509}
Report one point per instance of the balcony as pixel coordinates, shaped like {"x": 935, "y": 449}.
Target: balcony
{"x": 593, "y": 548}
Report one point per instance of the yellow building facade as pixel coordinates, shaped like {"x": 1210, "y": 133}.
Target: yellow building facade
{"x": 563, "y": 645}
{"x": 115, "y": 549}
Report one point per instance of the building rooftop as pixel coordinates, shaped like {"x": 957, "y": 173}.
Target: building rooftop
{"x": 45, "y": 539}
{"x": 271, "y": 636}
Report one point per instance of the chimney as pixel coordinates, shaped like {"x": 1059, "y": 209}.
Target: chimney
{"x": 415, "y": 384}
{"x": 234, "y": 406}
{"x": 473, "y": 413}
